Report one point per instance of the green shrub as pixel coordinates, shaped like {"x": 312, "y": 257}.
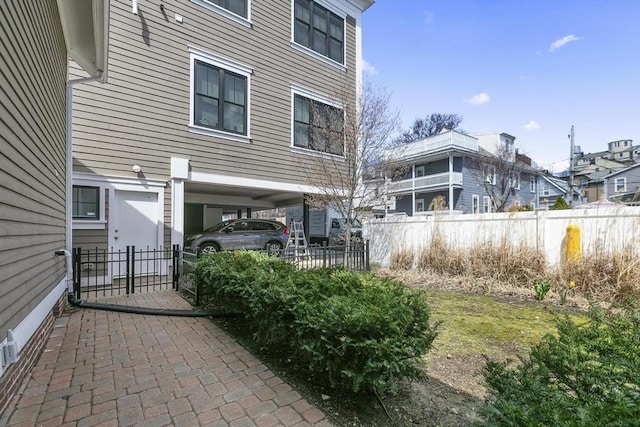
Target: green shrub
{"x": 559, "y": 204}
{"x": 586, "y": 376}
{"x": 362, "y": 331}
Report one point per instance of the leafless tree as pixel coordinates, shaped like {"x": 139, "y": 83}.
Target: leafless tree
{"x": 356, "y": 152}
{"x": 498, "y": 173}
{"x": 432, "y": 125}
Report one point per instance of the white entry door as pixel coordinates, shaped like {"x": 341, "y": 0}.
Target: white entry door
{"x": 135, "y": 223}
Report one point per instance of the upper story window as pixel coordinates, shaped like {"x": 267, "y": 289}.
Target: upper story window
{"x": 219, "y": 96}
{"x": 532, "y": 184}
{"x": 317, "y": 126}
{"x": 420, "y": 171}
{"x": 236, "y": 10}
{"x": 620, "y": 184}
{"x": 319, "y": 29}
{"x": 86, "y": 202}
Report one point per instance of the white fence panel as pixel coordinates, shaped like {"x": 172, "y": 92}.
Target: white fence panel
{"x": 603, "y": 230}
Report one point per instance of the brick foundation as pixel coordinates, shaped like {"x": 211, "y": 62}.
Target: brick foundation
{"x": 14, "y": 374}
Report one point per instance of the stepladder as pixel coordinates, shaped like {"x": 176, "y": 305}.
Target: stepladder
{"x": 297, "y": 241}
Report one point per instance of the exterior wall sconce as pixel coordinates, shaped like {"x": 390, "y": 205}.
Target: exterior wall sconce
{"x": 136, "y": 168}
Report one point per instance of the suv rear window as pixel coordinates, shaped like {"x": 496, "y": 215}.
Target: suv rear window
{"x": 262, "y": 226}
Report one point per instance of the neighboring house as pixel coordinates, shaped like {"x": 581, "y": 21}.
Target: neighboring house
{"x": 621, "y": 151}
{"x": 207, "y": 111}
{"x": 551, "y": 188}
{"x": 624, "y": 186}
{"x": 446, "y": 165}
{"x": 36, "y": 38}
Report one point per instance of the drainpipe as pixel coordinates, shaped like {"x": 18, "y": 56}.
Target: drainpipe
{"x": 69, "y": 172}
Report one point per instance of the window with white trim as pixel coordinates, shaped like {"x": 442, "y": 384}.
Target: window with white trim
{"x": 420, "y": 205}
{"x": 514, "y": 181}
{"x": 85, "y": 203}
{"x": 620, "y": 184}
{"x": 236, "y": 10}
{"x": 486, "y": 204}
{"x": 219, "y": 96}
{"x": 475, "y": 204}
{"x": 490, "y": 175}
{"x": 317, "y": 126}
{"x": 420, "y": 171}
{"x": 317, "y": 28}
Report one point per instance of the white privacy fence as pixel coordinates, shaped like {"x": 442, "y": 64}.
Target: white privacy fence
{"x": 603, "y": 229}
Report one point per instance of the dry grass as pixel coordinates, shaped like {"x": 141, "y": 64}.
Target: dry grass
{"x": 513, "y": 265}
{"x": 401, "y": 260}
{"x": 499, "y": 267}
{"x": 602, "y": 276}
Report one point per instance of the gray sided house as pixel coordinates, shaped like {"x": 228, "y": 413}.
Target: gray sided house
{"x": 206, "y": 112}
{"x": 36, "y": 39}
{"x": 624, "y": 186}
{"x": 446, "y": 165}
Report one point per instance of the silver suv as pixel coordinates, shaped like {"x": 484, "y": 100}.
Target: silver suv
{"x": 240, "y": 234}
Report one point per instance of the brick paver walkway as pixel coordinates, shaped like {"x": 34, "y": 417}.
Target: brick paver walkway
{"x": 117, "y": 369}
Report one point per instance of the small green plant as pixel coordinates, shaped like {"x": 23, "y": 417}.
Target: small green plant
{"x": 542, "y": 288}
{"x": 560, "y": 204}
{"x": 587, "y": 375}
{"x": 565, "y": 291}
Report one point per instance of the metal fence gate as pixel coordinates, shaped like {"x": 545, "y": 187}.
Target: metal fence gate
{"x": 102, "y": 273}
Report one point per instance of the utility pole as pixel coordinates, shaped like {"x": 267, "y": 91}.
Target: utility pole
{"x": 571, "y": 158}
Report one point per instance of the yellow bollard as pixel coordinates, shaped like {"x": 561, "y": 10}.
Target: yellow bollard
{"x": 574, "y": 244}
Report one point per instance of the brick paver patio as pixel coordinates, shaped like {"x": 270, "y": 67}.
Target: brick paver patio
{"x": 103, "y": 368}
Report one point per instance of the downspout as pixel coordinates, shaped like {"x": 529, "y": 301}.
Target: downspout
{"x": 69, "y": 175}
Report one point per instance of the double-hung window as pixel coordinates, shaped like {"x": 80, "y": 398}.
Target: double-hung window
{"x": 319, "y": 29}
{"x": 317, "y": 126}
{"x": 236, "y": 10}
{"x": 620, "y": 184}
{"x": 85, "y": 203}
{"x": 219, "y": 96}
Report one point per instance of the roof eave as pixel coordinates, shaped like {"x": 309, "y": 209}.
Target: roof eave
{"x": 85, "y": 24}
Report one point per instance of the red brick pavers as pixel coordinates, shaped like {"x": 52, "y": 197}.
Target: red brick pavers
{"x": 103, "y": 368}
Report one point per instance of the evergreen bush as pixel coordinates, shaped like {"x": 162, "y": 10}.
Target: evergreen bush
{"x": 588, "y": 375}
{"x": 362, "y": 331}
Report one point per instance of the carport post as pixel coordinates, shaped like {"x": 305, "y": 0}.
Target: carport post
{"x": 248, "y": 212}
{"x": 239, "y": 213}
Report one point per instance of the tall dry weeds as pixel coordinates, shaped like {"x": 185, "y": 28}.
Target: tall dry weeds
{"x": 514, "y": 265}
{"x": 401, "y": 260}
{"x": 605, "y": 277}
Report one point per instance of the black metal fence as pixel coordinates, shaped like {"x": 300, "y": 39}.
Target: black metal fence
{"x": 99, "y": 273}
{"x": 102, "y": 273}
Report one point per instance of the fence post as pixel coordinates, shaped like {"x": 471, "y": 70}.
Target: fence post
{"x": 133, "y": 269}
{"x": 324, "y": 253}
{"x": 77, "y": 254}
{"x": 127, "y": 269}
{"x": 366, "y": 255}
{"x": 174, "y": 279}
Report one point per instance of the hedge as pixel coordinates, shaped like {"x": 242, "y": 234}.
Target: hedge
{"x": 364, "y": 332}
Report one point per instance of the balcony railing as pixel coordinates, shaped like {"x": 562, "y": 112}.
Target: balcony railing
{"x": 439, "y": 180}
{"x": 437, "y": 143}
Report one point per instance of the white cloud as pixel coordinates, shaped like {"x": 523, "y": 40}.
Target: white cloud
{"x": 368, "y": 68}
{"x": 531, "y": 126}
{"x": 561, "y": 42}
{"x": 481, "y": 98}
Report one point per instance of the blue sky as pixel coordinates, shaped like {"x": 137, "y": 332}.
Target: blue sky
{"x": 530, "y": 68}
